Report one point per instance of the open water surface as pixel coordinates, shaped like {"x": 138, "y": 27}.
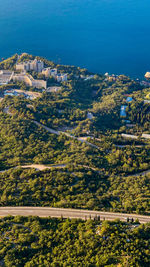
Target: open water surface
{"x": 102, "y": 35}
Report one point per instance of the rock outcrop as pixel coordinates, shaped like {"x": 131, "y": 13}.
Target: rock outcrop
{"x": 147, "y": 75}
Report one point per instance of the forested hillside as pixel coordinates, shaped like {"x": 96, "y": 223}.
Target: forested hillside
{"x": 82, "y": 143}
{"x": 56, "y": 242}
{"x": 85, "y": 132}
{"x": 75, "y": 186}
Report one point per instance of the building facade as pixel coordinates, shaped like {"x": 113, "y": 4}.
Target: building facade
{"x": 61, "y": 77}
{"x": 49, "y": 72}
{"x": 32, "y": 65}
{"x": 5, "y": 76}
{"x": 29, "y": 81}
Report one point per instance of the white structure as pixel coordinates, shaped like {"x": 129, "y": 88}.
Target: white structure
{"x": 46, "y": 72}
{"x": 32, "y": 65}
{"x": 61, "y": 77}
{"x": 29, "y": 80}
{"x": 89, "y": 77}
{"x": 49, "y": 72}
{"x": 129, "y": 136}
{"x": 54, "y": 72}
{"x": 5, "y": 76}
{"x": 38, "y": 66}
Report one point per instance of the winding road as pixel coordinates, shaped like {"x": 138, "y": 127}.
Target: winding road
{"x": 61, "y": 212}
{"x": 41, "y": 167}
{"x": 69, "y": 213}
{"x": 50, "y": 130}
{"x": 81, "y": 139}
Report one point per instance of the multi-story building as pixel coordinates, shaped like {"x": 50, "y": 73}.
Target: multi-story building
{"x": 46, "y": 72}
{"x": 39, "y": 84}
{"x": 29, "y": 80}
{"x": 5, "y": 76}
{"x": 32, "y": 65}
{"x": 54, "y": 72}
{"x": 49, "y": 72}
{"x": 22, "y": 66}
{"x": 61, "y": 77}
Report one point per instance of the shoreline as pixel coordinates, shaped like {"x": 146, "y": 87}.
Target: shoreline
{"x": 135, "y": 77}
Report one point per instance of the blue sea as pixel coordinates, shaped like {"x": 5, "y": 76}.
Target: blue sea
{"x": 102, "y": 35}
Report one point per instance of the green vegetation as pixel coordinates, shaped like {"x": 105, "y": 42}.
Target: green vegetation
{"x": 111, "y": 163}
{"x": 75, "y": 187}
{"x": 103, "y": 172}
{"x": 43, "y": 242}
{"x": 8, "y": 63}
{"x": 23, "y": 142}
{"x": 140, "y": 113}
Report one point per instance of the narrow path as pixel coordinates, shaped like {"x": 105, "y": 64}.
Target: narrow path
{"x": 140, "y": 173}
{"x": 81, "y": 139}
{"x": 50, "y": 130}
{"x": 122, "y": 146}
{"x": 41, "y": 167}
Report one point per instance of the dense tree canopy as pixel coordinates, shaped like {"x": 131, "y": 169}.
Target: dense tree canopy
{"x": 75, "y": 187}
{"x": 34, "y": 241}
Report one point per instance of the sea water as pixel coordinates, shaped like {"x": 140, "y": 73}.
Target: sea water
{"x": 102, "y": 35}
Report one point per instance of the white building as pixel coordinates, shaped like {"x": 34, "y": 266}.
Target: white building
{"x": 54, "y": 72}
{"x": 129, "y": 136}
{"x": 46, "y": 72}
{"x": 49, "y": 72}
{"x": 29, "y": 80}
{"x": 61, "y": 77}
{"x": 5, "y": 76}
{"x": 32, "y": 65}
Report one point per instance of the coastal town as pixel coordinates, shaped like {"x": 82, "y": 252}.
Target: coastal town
{"x": 21, "y": 74}
{"x": 23, "y": 69}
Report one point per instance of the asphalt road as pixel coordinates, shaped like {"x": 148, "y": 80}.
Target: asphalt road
{"x": 69, "y": 213}
{"x": 50, "y": 130}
